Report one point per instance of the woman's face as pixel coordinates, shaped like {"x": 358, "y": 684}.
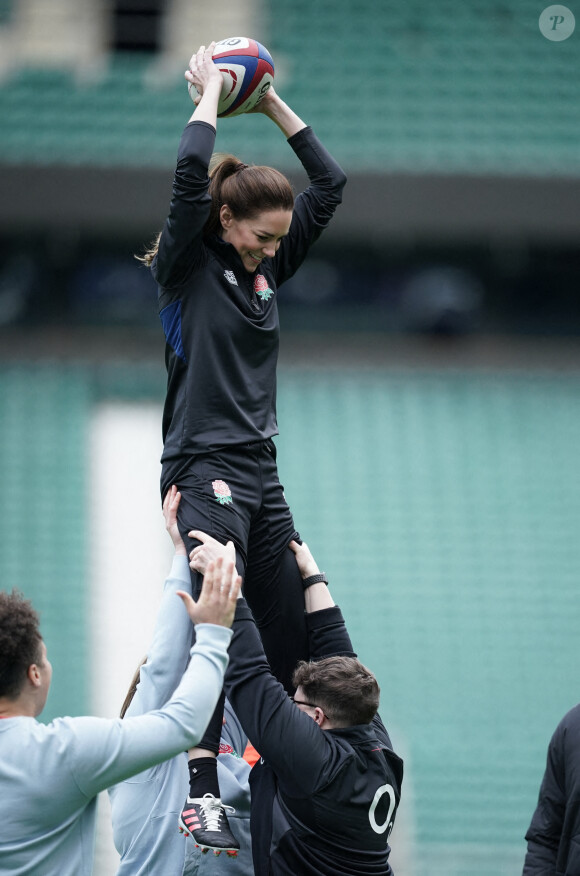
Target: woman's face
{"x": 256, "y": 238}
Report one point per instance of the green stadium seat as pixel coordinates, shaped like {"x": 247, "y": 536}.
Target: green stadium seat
{"x": 43, "y": 417}
{"x": 455, "y": 76}
{"x": 444, "y": 508}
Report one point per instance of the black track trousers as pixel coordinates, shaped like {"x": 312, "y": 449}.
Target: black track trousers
{"x": 235, "y": 494}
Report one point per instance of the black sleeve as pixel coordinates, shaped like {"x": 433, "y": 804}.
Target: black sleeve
{"x": 287, "y": 738}
{"x": 314, "y": 207}
{"x": 328, "y": 637}
{"x": 545, "y": 831}
{"x": 182, "y": 235}
{"x": 327, "y": 634}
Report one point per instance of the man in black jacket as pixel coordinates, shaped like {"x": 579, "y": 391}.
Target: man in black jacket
{"x": 554, "y": 833}
{"x": 326, "y": 789}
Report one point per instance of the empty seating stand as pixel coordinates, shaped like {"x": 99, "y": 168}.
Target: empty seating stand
{"x": 418, "y": 88}
{"x": 442, "y": 504}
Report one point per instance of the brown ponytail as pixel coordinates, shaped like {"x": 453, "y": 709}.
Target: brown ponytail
{"x": 134, "y": 682}
{"x": 246, "y": 189}
{"x": 150, "y": 253}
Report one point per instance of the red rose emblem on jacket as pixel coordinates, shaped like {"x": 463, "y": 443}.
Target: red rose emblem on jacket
{"x": 261, "y": 287}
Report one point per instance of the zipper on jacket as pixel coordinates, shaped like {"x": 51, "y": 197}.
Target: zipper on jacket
{"x": 253, "y": 297}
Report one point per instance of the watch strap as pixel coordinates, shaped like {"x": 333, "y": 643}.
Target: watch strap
{"x": 314, "y": 579}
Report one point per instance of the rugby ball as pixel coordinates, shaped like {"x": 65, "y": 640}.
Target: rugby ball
{"x": 247, "y": 69}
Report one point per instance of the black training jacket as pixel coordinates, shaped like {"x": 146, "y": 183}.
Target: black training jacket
{"x": 220, "y": 321}
{"x": 323, "y": 801}
{"x": 554, "y": 834}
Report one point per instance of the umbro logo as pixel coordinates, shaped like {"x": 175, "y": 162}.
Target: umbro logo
{"x": 230, "y": 277}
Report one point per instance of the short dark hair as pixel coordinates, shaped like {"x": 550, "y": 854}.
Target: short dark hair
{"x": 19, "y": 641}
{"x": 346, "y": 691}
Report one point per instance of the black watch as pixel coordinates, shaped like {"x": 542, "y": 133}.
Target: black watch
{"x": 314, "y": 579}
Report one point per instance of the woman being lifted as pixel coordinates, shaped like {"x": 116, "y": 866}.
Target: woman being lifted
{"x": 234, "y": 234}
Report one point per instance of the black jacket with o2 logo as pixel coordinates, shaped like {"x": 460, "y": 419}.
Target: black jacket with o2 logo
{"x": 323, "y": 801}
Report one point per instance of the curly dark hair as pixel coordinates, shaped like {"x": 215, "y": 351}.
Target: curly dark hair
{"x": 20, "y": 641}
{"x": 346, "y": 691}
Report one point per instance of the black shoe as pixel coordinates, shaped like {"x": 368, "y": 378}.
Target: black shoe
{"x": 206, "y": 820}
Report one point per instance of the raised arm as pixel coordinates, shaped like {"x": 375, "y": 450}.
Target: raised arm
{"x": 168, "y": 652}
{"x": 284, "y": 735}
{"x": 272, "y": 106}
{"x": 316, "y": 593}
{"x": 315, "y": 206}
{"x": 207, "y": 80}
{"x": 327, "y": 632}
{"x": 180, "y": 241}
{"x": 111, "y": 751}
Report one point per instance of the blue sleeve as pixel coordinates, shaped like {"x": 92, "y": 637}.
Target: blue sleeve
{"x": 169, "y": 650}
{"x": 102, "y": 752}
{"x": 180, "y": 244}
{"x": 314, "y": 207}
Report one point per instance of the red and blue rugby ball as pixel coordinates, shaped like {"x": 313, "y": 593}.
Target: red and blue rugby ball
{"x": 247, "y": 69}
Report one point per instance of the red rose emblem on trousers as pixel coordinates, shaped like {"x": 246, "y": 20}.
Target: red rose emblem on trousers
{"x": 222, "y": 492}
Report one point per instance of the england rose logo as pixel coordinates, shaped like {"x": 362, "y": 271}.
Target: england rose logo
{"x": 222, "y": 492}
{"x": 261, "y": 287}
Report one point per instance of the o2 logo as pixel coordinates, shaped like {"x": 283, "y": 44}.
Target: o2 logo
{"x": 388, "y": 823}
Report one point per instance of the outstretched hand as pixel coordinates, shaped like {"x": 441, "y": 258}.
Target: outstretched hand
{"x": 219, "y": 592}
{"x": 202, "y": 71}
{"x": 272, "y": 106}
{"x": 306, "y": 562}
{"x": 266, "y": 102}
{"x": 316, "y": 597}
{"x": 170, "y": 506}
{"x": 209, "y": 549}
